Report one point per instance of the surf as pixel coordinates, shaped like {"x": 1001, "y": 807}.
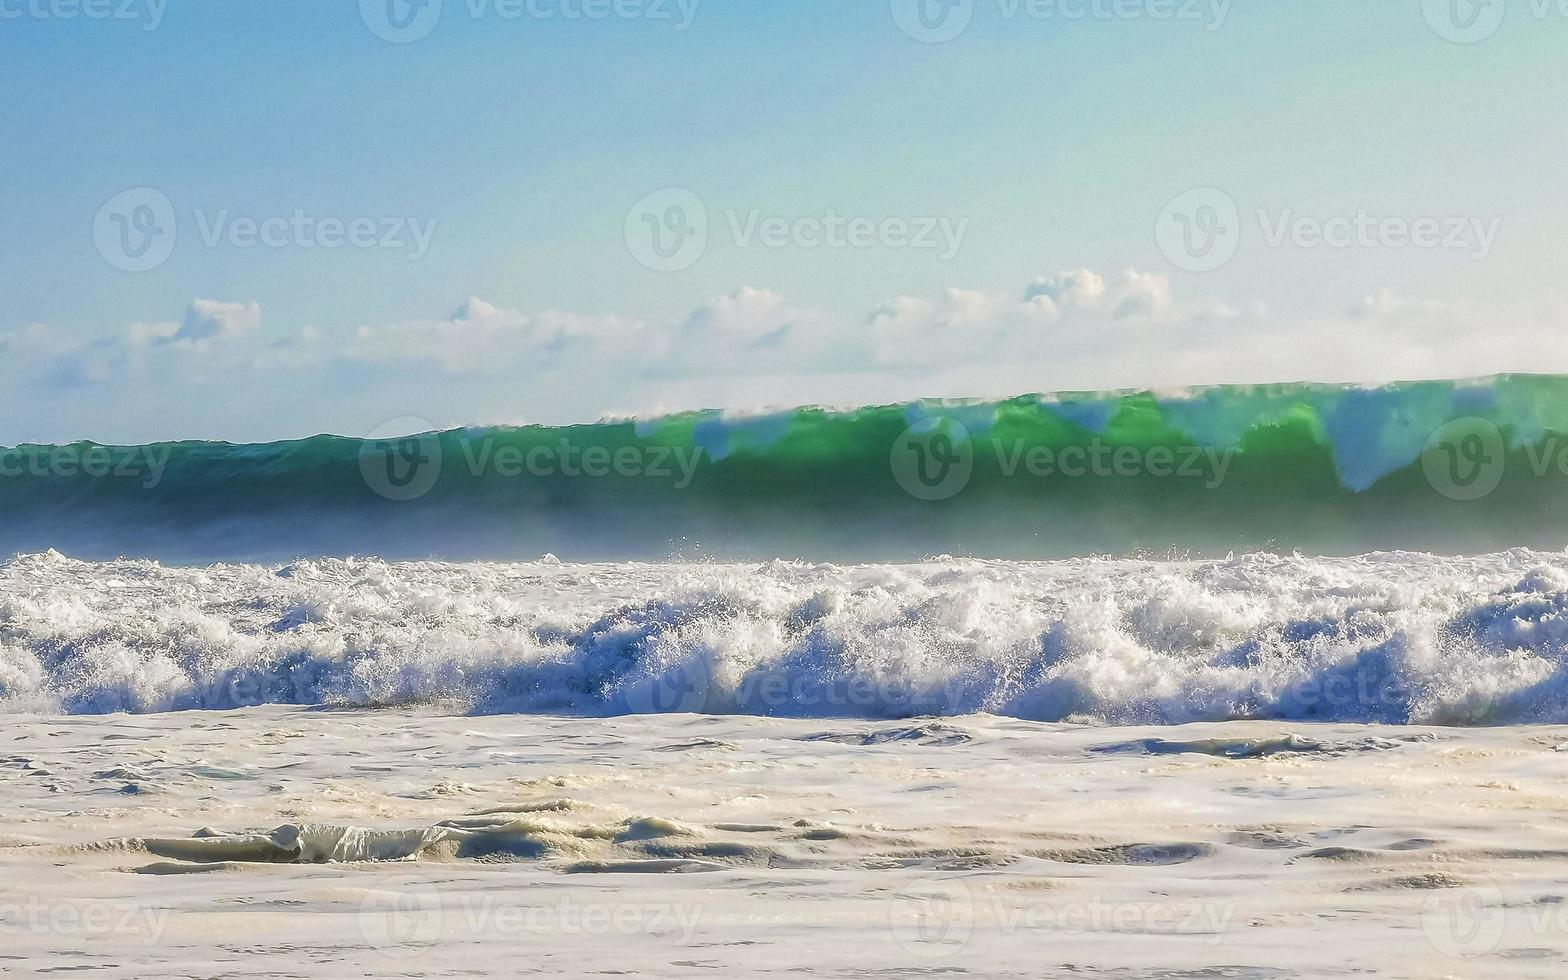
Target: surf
{"x": 1455, "y": 467}
{"x": 1392, "y": 638}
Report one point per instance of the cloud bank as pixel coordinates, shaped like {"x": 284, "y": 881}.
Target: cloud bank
{"x": 221, "y": 371}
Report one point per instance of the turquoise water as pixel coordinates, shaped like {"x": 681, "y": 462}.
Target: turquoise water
{"x": 1443, "y": 466}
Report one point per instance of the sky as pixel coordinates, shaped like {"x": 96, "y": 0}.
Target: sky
{"x": 253, "y": 221}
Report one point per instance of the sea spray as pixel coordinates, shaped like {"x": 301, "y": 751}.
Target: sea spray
{"x": 1394, "y": 638}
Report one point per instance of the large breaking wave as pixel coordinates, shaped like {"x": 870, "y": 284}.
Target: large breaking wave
{"x": 1400, "y": 638}
{"x": 1455, "y": 467}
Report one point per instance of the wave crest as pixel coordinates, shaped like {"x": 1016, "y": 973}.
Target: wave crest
{"x": 1331, "y": 469}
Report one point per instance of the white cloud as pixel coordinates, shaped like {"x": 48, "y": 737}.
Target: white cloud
{"x": 1140, "y": 294}
{"x": 1076, "y": 288}
{"x": 962, "y": 325}
{"x": 750, "y": 330}
{"x": 747, "y": 313}
{"x": 210, "y": 319}
{"x": 32, "y": 340}
{"x": 1386, "y": 304}
{"x": 481, "y": 338}
{"x": 68, "y": 363}
{"x": 1073, "y": 330}
{"x": 1086, "y": 293}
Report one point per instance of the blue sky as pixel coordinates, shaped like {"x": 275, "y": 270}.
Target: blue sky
{"x": 1034, "y": 156}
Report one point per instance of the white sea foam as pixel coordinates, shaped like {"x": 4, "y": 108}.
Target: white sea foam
{"x": 1388, "y": 637}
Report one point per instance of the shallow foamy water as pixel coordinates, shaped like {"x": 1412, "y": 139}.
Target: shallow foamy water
{"x": 337, "y": 843}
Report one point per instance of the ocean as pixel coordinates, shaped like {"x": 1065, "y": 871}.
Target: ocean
{"x": 1124, "y": 684}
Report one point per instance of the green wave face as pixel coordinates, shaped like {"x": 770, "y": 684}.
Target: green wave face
{"x": 1439, "y": 466}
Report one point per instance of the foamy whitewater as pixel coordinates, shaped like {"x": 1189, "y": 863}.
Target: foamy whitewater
{"x": 1279, "y": 694}
{"x": 1393, "y": 638}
